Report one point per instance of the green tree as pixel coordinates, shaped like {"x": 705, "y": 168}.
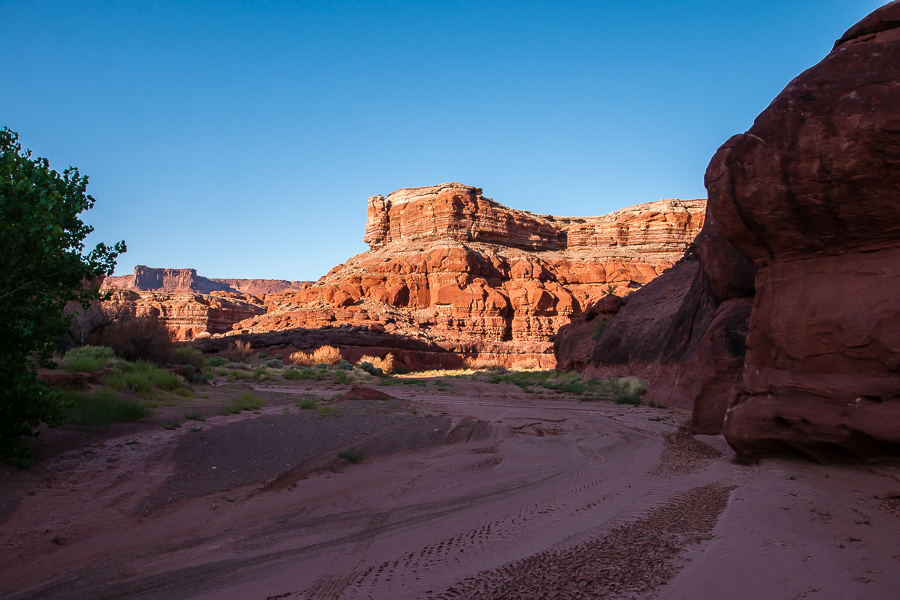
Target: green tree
{"x": 43, "y": 267}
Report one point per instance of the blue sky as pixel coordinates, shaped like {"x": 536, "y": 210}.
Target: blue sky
{"x": 243, "y": 138}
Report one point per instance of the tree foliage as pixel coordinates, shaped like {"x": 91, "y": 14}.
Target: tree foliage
{"x": 43, "y": 267}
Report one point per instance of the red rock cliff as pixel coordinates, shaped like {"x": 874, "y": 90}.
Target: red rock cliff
{"x": 190, "y": 304}
{"x": 811, "y": 193}
{"x": 479, "y": 279}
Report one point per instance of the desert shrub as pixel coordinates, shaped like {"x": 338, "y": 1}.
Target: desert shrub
{"x": 344, "y": 366}
{"x": 194, "y": 415}
{"x": 240, "y": 353}
{"x": 386, "y": 364}
{"x": 626, "y": 399}
{"x": 632, "y": 386}
{"x": 323, "y": 355}
{"x": 342, "y": 378}
{"x": 216, "y": 361}
{"x": 132, "y": 381}
{"x": 262, "y": 354}
{"x": 166, "y": 380}
{"x": 314, "y": 374}
{"x": 291, "y": 374}
{"x": 101, "y": 408}
{"x": 370, "y": 369}
{"x": 274, "y": 363}
{"x": 189, "y": 356}
{"x": 244, "y": 401}
{"x": 88, "y": 359}
{"x": 307, "y": 402}
{"x": 143, "y": 378}
{"x": 353, "y": 455}
{"x": 137, "y": 338}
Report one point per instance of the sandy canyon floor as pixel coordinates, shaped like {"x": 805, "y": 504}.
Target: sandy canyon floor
{"x": 466, "y": 490}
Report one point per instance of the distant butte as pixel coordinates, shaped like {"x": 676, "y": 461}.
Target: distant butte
{"x": 186, "y": 281}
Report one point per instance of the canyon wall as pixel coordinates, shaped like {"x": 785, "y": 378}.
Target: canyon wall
{"x": 780, "y": 326}
{"x": 189, "y": 304}
{"x": 186, "y": 281}
{"x": 469, "y": 276}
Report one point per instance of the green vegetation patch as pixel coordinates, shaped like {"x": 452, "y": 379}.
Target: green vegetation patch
{"x": 328, "y": 411}
{"x": 88, "y": 359}
{"x": 244, "y": 401}
{"x": 216, "y": 361}
{"x": 189, "y": 356}
{"x": 307, "y": 402}
{"x": 353, "y": 455}
{"x": 624, "y": 390}
{"x": 102, "y": 408}
{"x": 143, "y": 378}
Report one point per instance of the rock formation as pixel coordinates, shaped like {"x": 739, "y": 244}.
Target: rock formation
{"x": 804, "y": 222}
{"x": 188, "y": 315}
{"x": 189, "y": 304}
{"x": 186, "y": 281}
{"x": 811, "y": 193}
{"x": 471, "y": 277}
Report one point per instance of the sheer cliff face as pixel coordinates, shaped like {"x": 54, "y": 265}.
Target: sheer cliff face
{"x": 811, "y": 193}
{"x": 483, "y": 280}
{"x": 453, "y": 211}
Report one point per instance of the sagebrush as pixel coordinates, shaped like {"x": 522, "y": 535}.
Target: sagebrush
{"x": 323, "y": 355}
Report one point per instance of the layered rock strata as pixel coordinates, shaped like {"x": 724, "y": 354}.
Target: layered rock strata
{"x": 190, "y": 304}
{"x": 186, "y": 281}
{"x": 781, "y": 330}
{"x": 454, "y": 269}
{"x": 188, "y": 315}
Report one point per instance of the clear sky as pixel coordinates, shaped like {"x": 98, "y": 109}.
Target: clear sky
{"x": 243, "y": 138}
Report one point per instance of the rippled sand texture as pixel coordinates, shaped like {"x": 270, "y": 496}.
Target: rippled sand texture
{"x": 478, "y": 491}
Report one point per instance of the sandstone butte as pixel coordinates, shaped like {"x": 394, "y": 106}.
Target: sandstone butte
{"x": 780, "y": 326}
{"x": 450, "y": 276}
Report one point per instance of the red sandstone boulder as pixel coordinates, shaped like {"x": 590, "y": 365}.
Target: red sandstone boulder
{"x": 811, "y": 193}
{"x": 685, "y": 331}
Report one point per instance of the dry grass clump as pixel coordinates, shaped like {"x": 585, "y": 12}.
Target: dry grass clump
{"x": 480, "y": 363}
{"x": 240, "y": 353}
{"x": 323, "y": 355}
{"x": 386, "y": 364}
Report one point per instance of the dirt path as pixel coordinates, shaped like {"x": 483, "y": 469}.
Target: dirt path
{"x": 479, "y": 491}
